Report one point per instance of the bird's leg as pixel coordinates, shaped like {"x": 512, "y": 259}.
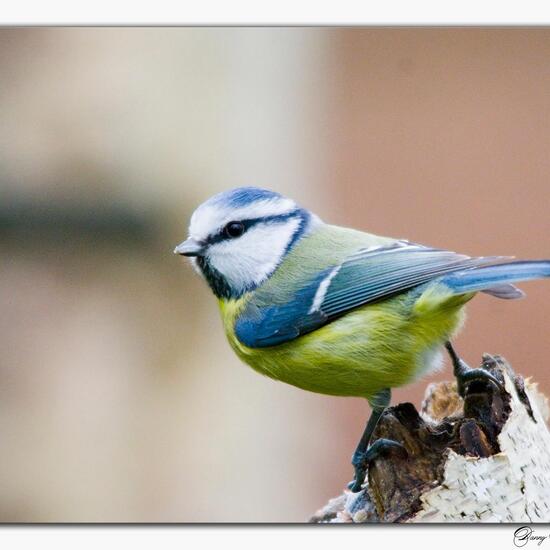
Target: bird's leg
{"x": 364, "y": 454}
{"x": 465, "y": 375}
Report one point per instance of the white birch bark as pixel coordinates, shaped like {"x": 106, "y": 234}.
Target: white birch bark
{"x": 510, "y": 486}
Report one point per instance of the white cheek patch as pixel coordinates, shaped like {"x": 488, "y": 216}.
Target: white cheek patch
{"x": 248, "y": 260}
{"x": 208, "y": 218}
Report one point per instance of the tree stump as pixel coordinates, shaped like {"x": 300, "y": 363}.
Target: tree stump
{"x": 484, "y": 458}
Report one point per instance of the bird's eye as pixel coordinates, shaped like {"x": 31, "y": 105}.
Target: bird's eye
{"x": 234, "y": 229}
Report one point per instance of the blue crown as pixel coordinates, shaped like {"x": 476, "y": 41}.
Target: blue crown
{"x": 242, "y": 196}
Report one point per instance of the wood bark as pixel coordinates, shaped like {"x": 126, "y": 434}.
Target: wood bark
{"x": 484, "y": 458}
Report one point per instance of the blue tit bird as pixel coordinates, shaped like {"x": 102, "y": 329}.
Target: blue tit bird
{"x": 338, "y": 311}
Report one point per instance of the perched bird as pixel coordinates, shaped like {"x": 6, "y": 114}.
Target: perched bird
{"x": 338, "y": 311}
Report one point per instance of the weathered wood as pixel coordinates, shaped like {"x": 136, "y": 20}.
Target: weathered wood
{"x": 482, "y": 458}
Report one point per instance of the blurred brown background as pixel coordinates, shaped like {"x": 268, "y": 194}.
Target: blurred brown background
{"x": 119, "y": 398}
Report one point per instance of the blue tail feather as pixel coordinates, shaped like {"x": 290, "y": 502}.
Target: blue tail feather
{"x": 496, "y": 279}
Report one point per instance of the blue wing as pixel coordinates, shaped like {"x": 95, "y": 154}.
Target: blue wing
{"x": 367, "y": 276}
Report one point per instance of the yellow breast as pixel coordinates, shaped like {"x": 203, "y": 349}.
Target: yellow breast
{"x": 371, "y": 348}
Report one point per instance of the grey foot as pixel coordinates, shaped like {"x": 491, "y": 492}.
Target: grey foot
{"x": 361, "y": 461}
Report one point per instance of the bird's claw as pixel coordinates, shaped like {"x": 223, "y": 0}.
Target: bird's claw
{"x": 465, "y": 375}
{"x": 361, "y": 461}
{"x": 469, "y": 375}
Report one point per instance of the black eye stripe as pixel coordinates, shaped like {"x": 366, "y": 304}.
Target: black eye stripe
{"x": 247, "y": 224}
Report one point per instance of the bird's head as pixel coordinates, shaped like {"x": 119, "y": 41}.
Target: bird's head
{"x": 238, "y": 238}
